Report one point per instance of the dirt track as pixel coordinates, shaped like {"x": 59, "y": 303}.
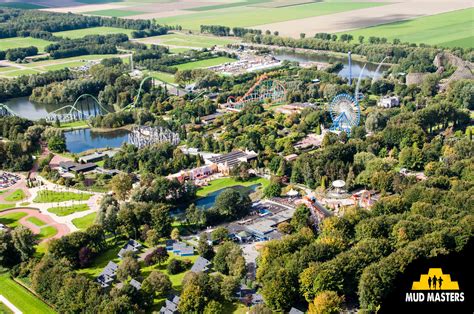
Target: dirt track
{"x": 344, "y": 21}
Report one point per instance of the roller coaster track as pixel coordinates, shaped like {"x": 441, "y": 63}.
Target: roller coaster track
{"x": 6, "y": 111}
{"x": 137, "y": 98}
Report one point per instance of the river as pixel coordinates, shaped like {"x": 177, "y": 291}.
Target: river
{"x": 369, "y": 71}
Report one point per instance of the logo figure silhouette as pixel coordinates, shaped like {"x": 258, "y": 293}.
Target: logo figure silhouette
{"x": 429, "y": 282}
{"x": 440, "y": 282}
{"x": 434, "y": 282}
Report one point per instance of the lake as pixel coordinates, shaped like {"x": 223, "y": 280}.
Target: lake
{"x": 81, "y": 140}
{"x": 370, "y": 68}
{"x": 209, "y": 200}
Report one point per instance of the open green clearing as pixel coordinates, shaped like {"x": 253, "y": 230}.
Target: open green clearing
{"x": 229, "y": 182}
{"x": 47, "y": 232}
{"x": 74, "y": 124}
{"x": 20, "y": 42}
{"x": 49, "y": 196}
{"x": 21, "y": 298}
{"x": 21, "y": 5}
{"x": 85, "y": 221}
{"x": 12, "y": 219}
{"x": 36, "y": 221}
{"x": 100, "y": 30}
{"x": 251, "y": 16}
{"x": 452, "y": 29}
{"x": 114, "y": 13}
{"x": 16, "y": 196}
{"x": 204, "y": 63}
{"x": 189, "y": 41}
{"x": 68, "y": 210}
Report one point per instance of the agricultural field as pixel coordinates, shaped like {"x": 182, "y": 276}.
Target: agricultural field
{"x": 187, "y": 41}
{"x": 21, "y": 42}
{"x": 103, "y": 30}
{"x": 453, "y": 29}
{"x": 113, "y": 13}
{"x": 21, "y": 5}
{"x": 21, "y": 298}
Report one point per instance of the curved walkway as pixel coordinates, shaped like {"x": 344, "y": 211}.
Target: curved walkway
{"x": 62, "y": 228}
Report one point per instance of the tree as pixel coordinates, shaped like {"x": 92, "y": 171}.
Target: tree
{"x": 326, "y": 302}
{"x": 157, "y": 283}
{"x": 175, "y": 234}
{"x": 272, "y": 190}
{"x": 204, "y": 248}
{"x": 280, "y": 290}
{"x": 232, "y": 204}
{"x": 214, "y": 307}
{"x": 301, "y": 217}
{"x": 128, "y": 268}
{"x": 229, "y": 286}
{"x": 158, "y": 255}
{"x": 175, "y": 266}
{"x": 194, "y": 216}
{"x": 161, "y": 220}
{"x": 192, "y": 299}
{"x": 229, "y": 260}
{"x": 85, "y": 257}
{"x": 57, "y": 144}
{"x": 8, "y": 254}
{"x": 285, "y": 227}
{"x": 121, "y": 184}
{"x": 24, "y": 242}
{"x": 107, "y": 215}
{"x": 220, "y": 234}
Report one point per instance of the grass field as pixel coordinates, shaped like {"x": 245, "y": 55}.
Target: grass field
{"x": 21, "y": 5}
{"x": 229, "y": 182}
{"x": 101, "y": 30}
{"x": 12, "y": 219}
{"x": 453, "y": 29}
{"x": 47, "y": 232}
{"x": 114, "y": 13}
{"x": 36, "y": 221}
{"x": 245, "y": 16}
{"x": 21, "y": 298}
{"x": 68, "y": 210}
{"x": 49, "y": 196}
{"x": 5, "y": 309}
{"x": 19, "y": 42}
{"x": 204, "y": 63}
{"x": 187, "y": 40}
{"x": 16, "y": 196}
{"x": 84, "y": 222}
{"x": 74, "y": 124}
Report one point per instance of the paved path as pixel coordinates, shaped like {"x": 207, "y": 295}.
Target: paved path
{"x": 10, "y": 305}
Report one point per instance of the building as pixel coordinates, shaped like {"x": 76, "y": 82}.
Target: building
{"x": 389, "y": 102}
{"x": 291, "y": 157}
{"x": 206, "y": 120}
{"x": 169, "y": 244}
{"x": 294, "y": 310}
{"x": 226, "y": 162}
{"x": 97, "y": 156}
{"x": 182, "y": 249}
{"x": 130, "y": 246}
{"x": 310, "y": 141}
{"x": 171, "y": 306}
{"x": 136, "y": 284}
{"x": 293, "y": 108}
{"x": 68, "y": 166}
{"x": 107, "y": 276}
{"x": 200, "y": 265}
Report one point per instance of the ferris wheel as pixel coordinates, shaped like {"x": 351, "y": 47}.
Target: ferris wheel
{"x": 345, "y": 113}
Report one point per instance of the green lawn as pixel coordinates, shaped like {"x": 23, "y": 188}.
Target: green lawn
{"x": 452, "y": 29}
{"x": 102, "y": 260}
{"x": 229, "y": 182}
{"x": 204, "y": 63}
{"x": 245, "y": 16}
{"x": 12, "y": 219}
{"x": 84, "y": 222}
{"x": 74, "y": 124}
{"x": 21, "y": 5}
{"x": 36, "y": 221}
{"x": 68, "y": 210}
{"x": 114, "y": 13}
{"x": 48, "y": 196}
{"x": 189, "y": 41}
{"x": 19, "y": 42}
{"x": 47, "y": 232}
{"x": 162, "y": 76}
{"x": 6, "y": 206}
{"x": 21, "y": 298}
{"x": 20, "y": 72}
{"x": 100, "y": 30}
{"x": 16, "y": 196}
{"x": 5, "y": 309}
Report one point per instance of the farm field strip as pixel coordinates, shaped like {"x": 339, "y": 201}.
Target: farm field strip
{"x": 100, "y": 30}
{"x": 21, "y": 42}
{"x": 204, "y": 63}
{"x": 187, "y": 41}
{"x": 447, "y": 29}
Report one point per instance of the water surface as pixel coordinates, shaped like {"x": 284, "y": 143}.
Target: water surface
{"x": 78, "y": 141}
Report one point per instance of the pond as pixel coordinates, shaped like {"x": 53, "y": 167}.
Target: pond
{"x": 209, "y": 200}
{"x": 81, "y": 140}
{"x": 35, "y": 111}
{"x": 369, "y": 71}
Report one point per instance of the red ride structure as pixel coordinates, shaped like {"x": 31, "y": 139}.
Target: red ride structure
{"x": 264, "y": 88}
